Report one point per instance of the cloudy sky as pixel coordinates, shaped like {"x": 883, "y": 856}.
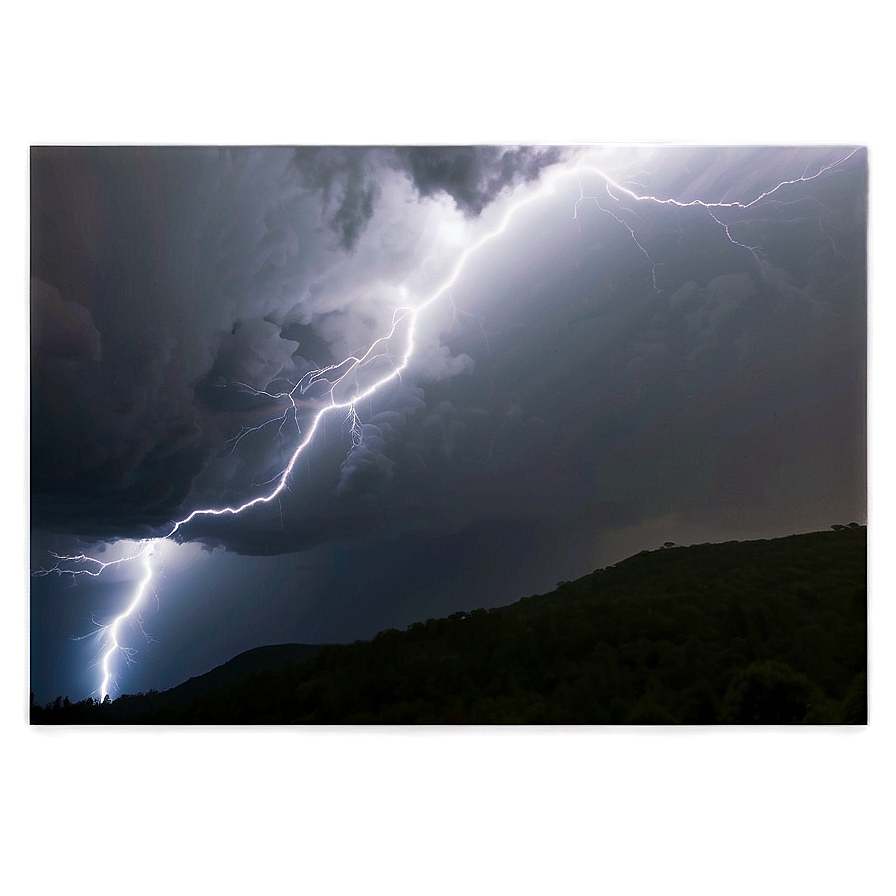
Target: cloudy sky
{"x": 604, "y": 374}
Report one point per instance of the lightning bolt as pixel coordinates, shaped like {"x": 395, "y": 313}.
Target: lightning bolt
{"x": 112, "y": 630}
{"x": 83, "y": 565}
{"x": 344, "y": 374}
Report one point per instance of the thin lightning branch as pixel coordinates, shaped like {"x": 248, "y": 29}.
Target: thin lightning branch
{"x": 731, "y": 239}
{"x": 246, "y": 430}
{"x": 455, "y": 310}
{"x": 646, "y": 197}
{"x": 336, "y": 375}
{"x": 97, "y": 568}
{"x": 830, "y": 238}
{"x": 638, "y": 244}
{"x": 356, "y": 430}
{"x": 702, "y": 203}
{"x": 282, "y": 418}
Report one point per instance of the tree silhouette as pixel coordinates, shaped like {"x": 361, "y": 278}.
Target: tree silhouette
{"x": 767, "y": 692}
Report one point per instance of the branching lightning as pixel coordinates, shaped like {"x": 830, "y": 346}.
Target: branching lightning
{"x": 112, "y": 630}
{"x": 82, "y": 565}
{"x": 342, "y": 390}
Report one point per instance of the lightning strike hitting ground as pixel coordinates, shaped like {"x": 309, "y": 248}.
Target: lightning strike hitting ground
{"x": 345, "y": 374}
{"x": 112, "y": 631}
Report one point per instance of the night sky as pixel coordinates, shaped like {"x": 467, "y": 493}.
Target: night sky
{"x": 605, "y": 375}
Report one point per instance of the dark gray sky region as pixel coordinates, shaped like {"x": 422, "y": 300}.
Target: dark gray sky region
{"x": 606, "y": 374}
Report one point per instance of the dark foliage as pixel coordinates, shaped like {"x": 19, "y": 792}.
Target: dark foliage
{"x": 761, "y": 632}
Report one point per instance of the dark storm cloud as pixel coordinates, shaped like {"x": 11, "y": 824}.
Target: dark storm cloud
{"x": 65, "y": 335}
{"x": 141, "y": 260}
{"x": 254, "y": 351}
{"x": 163, "y": 280}
{"x": 578, "y": 392}
{"x": 474, "y": 176}
{"x": 346, "y": 179}
{"x": 160, "y": 278}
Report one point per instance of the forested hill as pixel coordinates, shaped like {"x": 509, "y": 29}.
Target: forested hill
{"x": 768, "y": 632}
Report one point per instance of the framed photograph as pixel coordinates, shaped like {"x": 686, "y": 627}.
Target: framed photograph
{"x": 448, "y": 435}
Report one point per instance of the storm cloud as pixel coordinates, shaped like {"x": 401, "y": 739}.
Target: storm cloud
{"x": 161, "y": 277}
{"x": 474, "y": 176}
{"x": 169, "y": 283}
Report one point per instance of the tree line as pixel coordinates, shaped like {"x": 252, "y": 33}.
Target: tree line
{"x": 760, "y": 632}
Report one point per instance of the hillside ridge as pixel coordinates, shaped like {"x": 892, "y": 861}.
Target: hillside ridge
{"x": 767, "y": 631}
